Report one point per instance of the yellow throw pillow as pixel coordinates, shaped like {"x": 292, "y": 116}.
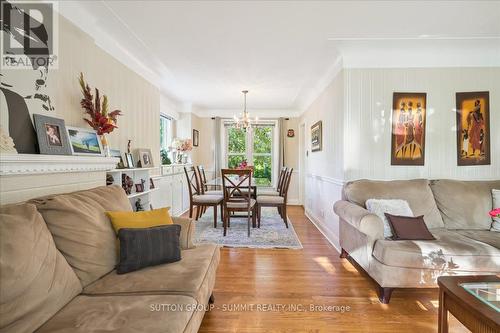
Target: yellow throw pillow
{"x": 145, "y": 219}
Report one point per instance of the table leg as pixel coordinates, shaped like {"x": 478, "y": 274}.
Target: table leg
{"x": 443, "y": 314}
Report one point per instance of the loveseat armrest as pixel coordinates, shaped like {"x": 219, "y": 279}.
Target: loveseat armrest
{"x": 360, "y": 218}
{"x": 187, "y": 232}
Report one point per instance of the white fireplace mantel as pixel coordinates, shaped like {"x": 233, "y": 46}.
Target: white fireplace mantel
{"x": 28, "y": 164}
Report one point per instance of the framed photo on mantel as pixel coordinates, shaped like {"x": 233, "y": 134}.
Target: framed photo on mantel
{"x": 409, "y": 111}
{"x": 473, "y": 128}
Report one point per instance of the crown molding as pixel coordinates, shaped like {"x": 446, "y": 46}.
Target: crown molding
{"x": 332, "y": 72}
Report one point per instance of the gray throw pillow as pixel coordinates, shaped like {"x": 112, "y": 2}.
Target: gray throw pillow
{"x": 495, "y": 226}
{"x": 145, "y": 247}
{"x": 380, "y": 207}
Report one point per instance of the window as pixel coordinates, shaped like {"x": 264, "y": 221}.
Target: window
{"x": 236, "y": 147}
{"x": 262, "y": 154}
{"x": 256, "y": 147}
{"x": 165, "y": 136}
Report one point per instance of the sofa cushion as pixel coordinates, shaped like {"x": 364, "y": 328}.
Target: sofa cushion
{"x": 380, "y": 207}
{"x": 486, "y": 236}
{"x": 146, "y": 247}
{"x": 81, "y": 229}
{"x": 35, "y": 279}
{"x": 409, "y": 228}
{"x": 450, "y": 251}
{"x": 495, "y": 226}
{"x": 139, "y": 313}
{"x": 193, "y": 276}
{"x": 465, "y": 204}
{"x": 416, "y": 192}
{"x": 144, "y": 219}
{"x": 187, "y": 232}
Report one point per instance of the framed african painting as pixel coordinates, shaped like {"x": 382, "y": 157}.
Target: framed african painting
{"x": 408, "y": 128}
{"x": 473, "y": 128}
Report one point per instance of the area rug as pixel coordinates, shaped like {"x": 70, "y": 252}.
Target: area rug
{"x": 271, "y": 234}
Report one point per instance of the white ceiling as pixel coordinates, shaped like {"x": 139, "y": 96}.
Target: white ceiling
{"x": 204, "y": 53}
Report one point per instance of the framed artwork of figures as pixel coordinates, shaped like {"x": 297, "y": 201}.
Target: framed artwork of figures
{"x": 473, "y": 128}
{"x": 408, "y": 128}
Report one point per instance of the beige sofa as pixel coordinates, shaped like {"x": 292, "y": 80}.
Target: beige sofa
{"x": 456, "y": 213}
{"x": 57, "y": 259}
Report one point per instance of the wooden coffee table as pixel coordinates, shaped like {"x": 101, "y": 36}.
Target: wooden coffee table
{"x": 470, "y": 301}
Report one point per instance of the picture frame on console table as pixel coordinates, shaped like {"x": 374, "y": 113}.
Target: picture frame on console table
{"x": 409, "y": 113}
{"x": 84, "y": 141}
{"x": 51, "y": 135}
{"x": 145, "y": 157}
{"x": 473, "y": 128}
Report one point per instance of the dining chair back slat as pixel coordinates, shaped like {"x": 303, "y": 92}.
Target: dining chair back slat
{"x": 281, "y": 178}
{"x": 237, "y": 189}
{"x": 286, "y": 184}
{"x": 192, "y": 181}
{"x": 203, "y": 178}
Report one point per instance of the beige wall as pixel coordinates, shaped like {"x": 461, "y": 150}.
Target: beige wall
{"x": 323, "y": 171}
{"x": 138, "y": 99}
{"x": 368, "y": 108}
{"x": 204, "y": 153}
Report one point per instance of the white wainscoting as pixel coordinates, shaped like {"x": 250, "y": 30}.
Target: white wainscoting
{"x": 320, "y": 194}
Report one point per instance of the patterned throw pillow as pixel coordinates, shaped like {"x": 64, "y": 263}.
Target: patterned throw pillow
{"x": 146, "y": 247}
{"x": 391, "y": 206}
{"x": 495, "y": 226}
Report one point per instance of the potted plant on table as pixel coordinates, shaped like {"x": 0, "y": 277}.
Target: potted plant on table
{"x": 181, "y": 147}
{"x": 100, "y": 119}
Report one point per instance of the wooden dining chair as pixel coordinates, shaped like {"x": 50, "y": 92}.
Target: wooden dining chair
{"x": 236, "y": 186}
{"x": 272, "y": 191}
{"x": 203, "y": 179}
{"x": 201, "y": 201}
{"x": 279, "y": 201}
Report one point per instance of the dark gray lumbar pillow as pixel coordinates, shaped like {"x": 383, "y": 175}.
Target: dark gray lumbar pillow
{"x": 145, "y": 247}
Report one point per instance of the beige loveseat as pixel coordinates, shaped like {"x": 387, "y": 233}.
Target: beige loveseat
{"x": 456, "y": 213}
{"x": 57, "y": 259}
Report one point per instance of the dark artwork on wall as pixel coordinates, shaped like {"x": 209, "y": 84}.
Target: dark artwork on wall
{"x": 196, "y": 138}
{"x": 317, "y": 136}
{"x": 473, "y": 128}
{"x": 408, "y": 128}
{"x": 23, "y": 89}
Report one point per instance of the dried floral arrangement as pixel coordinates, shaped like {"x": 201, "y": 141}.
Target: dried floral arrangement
{"x": 101, "y": 120}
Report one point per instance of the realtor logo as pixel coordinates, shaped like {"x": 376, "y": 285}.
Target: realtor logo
{"x": 29, "y": 34}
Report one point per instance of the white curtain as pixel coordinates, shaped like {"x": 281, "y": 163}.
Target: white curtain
{"x": 281, "y": 143}
{"x": 218, "y": 147}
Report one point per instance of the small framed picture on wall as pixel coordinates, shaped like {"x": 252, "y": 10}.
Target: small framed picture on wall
{"x": 317, "y": 136}
{"x": 196, "y": 138}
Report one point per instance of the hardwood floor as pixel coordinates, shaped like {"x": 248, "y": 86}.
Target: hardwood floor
{"x": 314, "y": 275}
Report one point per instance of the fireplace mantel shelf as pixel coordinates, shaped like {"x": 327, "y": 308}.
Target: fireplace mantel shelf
{"x": 24, "y": 164}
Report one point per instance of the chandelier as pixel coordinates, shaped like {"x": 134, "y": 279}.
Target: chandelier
{"x": 244, "y": 122}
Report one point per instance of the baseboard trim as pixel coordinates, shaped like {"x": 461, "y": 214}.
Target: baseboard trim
{"x": 316, "y": 223}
